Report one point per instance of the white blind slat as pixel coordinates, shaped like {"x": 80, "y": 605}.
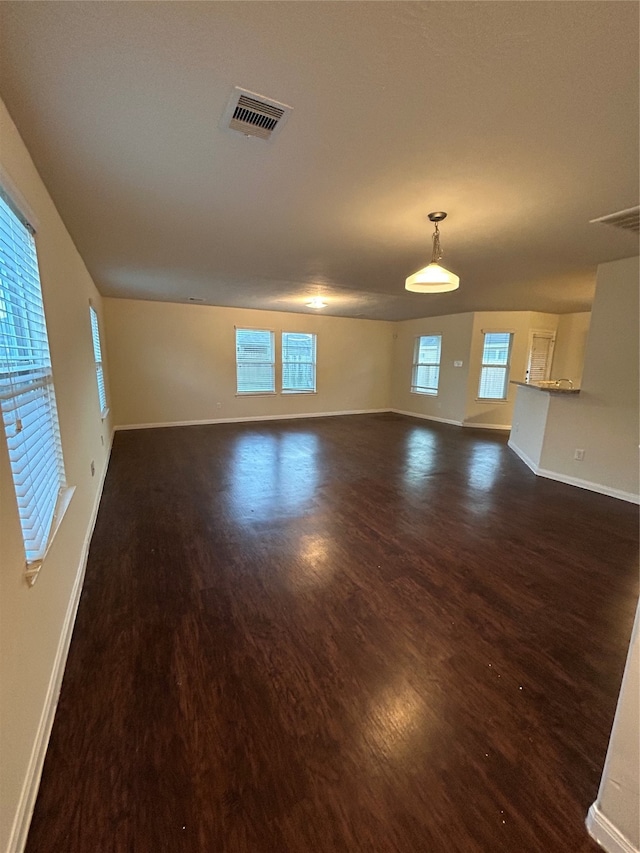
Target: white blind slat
{"x": 255, "y": 361}
{"x": 298, "y": 361}
{"x": 27, "y": 397}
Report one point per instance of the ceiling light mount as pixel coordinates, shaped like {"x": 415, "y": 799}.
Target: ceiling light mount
{"x": 433, "y": 278}
{"x": 316, "y": 302}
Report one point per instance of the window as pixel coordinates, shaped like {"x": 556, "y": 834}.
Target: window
{"x": 97, "y": 356}
{"x": 298, "y": 363}
{"x": 27, "y": 397}
{"x": 426, "y": 364}
{"x": 255, "y": 362}
{"x": 540, "y": 356}
{"x": 494, "y": 373}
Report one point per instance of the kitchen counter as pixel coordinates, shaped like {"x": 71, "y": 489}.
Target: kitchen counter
{"x": 549, "y": 387}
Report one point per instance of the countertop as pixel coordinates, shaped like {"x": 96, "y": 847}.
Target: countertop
{"x": 545, "y": 386}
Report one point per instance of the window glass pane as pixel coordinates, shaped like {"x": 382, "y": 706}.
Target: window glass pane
{"x": 496, "y": 348}
{"x": 97, "y": 355}
{"x": 255, "y": 367}
{"x": 27, "y": 397}
{"x": 426, "y": 364}
{"x": 492, "y": 383}
{"x": 298, "y": 361}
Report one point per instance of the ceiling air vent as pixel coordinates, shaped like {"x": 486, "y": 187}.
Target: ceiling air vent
{"x": 254, "y": 115}
{"x": 627, "y": 219}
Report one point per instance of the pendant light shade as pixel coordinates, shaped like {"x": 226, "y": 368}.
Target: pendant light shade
{"x": 433, "y": 278}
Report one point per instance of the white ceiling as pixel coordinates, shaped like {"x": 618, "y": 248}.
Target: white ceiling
{"x": 520, "y": 119}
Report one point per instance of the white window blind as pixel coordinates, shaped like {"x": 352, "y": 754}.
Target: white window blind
{"x": 540, "y": 355}
{"x": 255, "y": 362}
{"x": 494, "y": 373}
{"x": 97, "y": 356}
{"x": 27, "y": 397}
{"x": 298, "y": 362}
{"x": 426, "y": 364}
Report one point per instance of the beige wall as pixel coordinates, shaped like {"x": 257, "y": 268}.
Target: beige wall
{"x": 173, "y": 363}
{"x": 32, "y": 619}
{"x": 618, "y": 802}
{"x": 603, "y": 418}
{"x": 462, "y": 340}
{"x": 571, "y": 342}
{"x": 450, "y": 402}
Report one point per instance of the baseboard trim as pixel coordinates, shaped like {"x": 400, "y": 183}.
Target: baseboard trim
{"x": 472, "y": 425}
{"x": 606, "y": 834}
{"x": 527, "y": 461}
{"x": 630, "y": 497}
{"x": 601, "y": 489}
{"x": 27, "y": 801}
{"x": 426, "y": 417}
{"x": 252, "y": 418}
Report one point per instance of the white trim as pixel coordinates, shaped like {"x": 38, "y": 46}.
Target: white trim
{"x": 504, "y": 427}
{"x": 426, "y": 417}
{"x": 252, "y": 418}
{"x": 527, "y": 461}
{"x": 592, "y": 487}
{"x": 574, "y": 481}
{"x": 606, "y": 834}
{"x": 27, "y": 800}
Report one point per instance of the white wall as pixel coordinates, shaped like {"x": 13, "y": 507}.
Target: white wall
{"x": 173, "y": 363}
{"x": 571, "y": 342}
{"x": 34, "y": 621}
{"x": 450, "y": 402}
{"x": 603, "y": 418}
{"x": 615, "y": 816}
{"x": 463, "y": 340}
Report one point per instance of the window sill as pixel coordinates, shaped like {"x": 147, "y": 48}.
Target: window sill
{"x": 491, "y": 400}
{"x": 104, "y": 414}
{"x": 33, "y": 567}
{"x": 289, "y": 393}
{"x": 424, "y": 393}
{"x": 256, "y": 394}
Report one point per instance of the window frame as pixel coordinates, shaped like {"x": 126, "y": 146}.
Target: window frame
{"x": 424, "y": 390}
{"x": 313, "y": 364}
{"x": 28, "y": 401}
{"x": 98, "y": 361}
{"x": 506, "y": 366}
{"x": 272, "y": 363}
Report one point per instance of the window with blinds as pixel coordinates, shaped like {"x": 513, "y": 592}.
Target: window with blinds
{"x": 27, "y": 397}
{"x": 97, "y": 357}
{"x": 255, "y": 361}
{"x": 540, "y": 356}
{"x": 426, "y": 364}
{"x": 298, "y": 363}
{"x": 494, "y": 372}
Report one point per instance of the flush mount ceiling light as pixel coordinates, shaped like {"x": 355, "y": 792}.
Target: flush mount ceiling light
{"x": 316, "y": 302}
{"x": 433, "y": 278}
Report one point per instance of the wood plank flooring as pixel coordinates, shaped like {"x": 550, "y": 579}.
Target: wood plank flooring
{"x": 365, "y": 633}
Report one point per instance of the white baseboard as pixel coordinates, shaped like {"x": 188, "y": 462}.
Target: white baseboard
{"x": 574, "y": 481}
{"x": 503, "y": 427}
{"x": 426, "y": 417}
{"x": 587, "y": 484}
{"x": 606, "y": 834}
{"x": 27, "y": 800}
{"x": 526, "y": 459}
{"x": 252, "y": 418}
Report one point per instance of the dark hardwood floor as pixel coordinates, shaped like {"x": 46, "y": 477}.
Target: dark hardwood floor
{"x": 365, "y": 633}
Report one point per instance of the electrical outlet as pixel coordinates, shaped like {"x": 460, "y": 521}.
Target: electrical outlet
{"x": 93, "y": 468}
{"x": 579, "y": 454}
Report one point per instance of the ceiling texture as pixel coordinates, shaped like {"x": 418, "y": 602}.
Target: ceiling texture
{"x": 520, "y": 119}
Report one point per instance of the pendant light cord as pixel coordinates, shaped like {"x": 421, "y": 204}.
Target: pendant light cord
{"x": 437, "y": 251}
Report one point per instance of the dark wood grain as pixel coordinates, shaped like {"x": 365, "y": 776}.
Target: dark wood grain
{"x": 346, "y": 634}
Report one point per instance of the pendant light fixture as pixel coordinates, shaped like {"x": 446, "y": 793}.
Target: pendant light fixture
{"x": 433, "y": 278}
